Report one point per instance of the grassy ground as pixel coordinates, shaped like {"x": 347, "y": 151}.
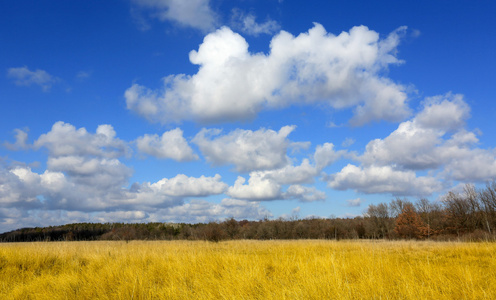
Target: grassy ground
{"x": 248, "y": 270}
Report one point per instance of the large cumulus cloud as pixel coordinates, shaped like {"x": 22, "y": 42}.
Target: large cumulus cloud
{"x": 435, "y": 140}
{"x": 342, "y": 71}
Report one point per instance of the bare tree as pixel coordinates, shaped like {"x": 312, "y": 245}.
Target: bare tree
{"x": 380, "y": 219}
{"x": 397, "y": 205}
{"x": 488, "y": 202}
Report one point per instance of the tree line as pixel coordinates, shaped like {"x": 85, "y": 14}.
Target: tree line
{"x": 467, "y": 215}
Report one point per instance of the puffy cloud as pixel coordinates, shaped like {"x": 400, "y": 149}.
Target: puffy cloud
{"x": 25, "y": 77}
{"x": 409, "y": 146}
{"x": 259, "y": 188}
{"x": 325, "y": 155}
{"x": 89, "y": 161}
{"x": 18, "y": 188}
{"x": 184, "y": 186}
{"x": 171, "y": 145}
{"x": 304, "y": 173}
{"x": 65, "y": 140}
{"x": 434, "y": 140}
{"x": 54, "y": 190}
{"x": 21, "y": 138}
{"x": 171, "y": 192}
{"x": 232, "y": 83}
{"x": 264, "y": 186}
{"x": 21, "y": 187}
{"x": 91, "y": 171}
{"x": 445, "y": 112}
{"x": 268, "y": 184}
{"x": 84, "y": 173}
{"x": 383, "y": 179}
{"x": 192, "y": 13}
{"x": 85, "y": 181}
{"x": 247, "y": 150}
{"x": 246, "y": 23}
{"x": 420, "y": 143}
{"x": 304, "y": 193}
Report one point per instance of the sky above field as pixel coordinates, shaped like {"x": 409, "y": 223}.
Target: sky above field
{"x": 201, "y": 110}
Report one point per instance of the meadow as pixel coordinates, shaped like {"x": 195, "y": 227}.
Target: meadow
{"x": 303, "y": 269}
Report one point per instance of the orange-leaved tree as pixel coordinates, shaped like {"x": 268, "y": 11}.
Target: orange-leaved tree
{"x": 410, "y": 225}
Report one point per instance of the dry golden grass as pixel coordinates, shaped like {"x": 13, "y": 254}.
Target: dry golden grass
{"x": 248, "y": 270}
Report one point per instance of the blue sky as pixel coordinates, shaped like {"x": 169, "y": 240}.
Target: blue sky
{"x": 195, "y": 111}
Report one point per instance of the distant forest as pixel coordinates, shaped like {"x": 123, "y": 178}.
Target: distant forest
{"x": 470, "y": 215}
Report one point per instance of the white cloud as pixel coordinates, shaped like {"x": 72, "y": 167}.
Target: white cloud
{"x": 93, "y": 172}
{"x": 445, "y": 112}
{"x": 435, "y": 140}
{"x": 304, "y": 193}
{"x": 187, "y": 13}
{"x": 89, "y": 161}
{"x": 247, "y": 24}
{"x": 65, "y": 140}
{"x": 383, "y": 179}
{"x": 267, "y": 186}
{"x": 11, "y": 218}
{"x": 325, "y": 155}
{"x": 472, "y": 165}
{"x": 86, "y": 181}
{"x": 314, "y": 67}
{"x": 171, "y": 145}
{"x": 304, "y": 173}
{"x": 21, "y": 137}
{"x": 243, "y": 209}
{"x": 259, "y": 188}
{"x": 354, "y": 202}
{"x": 421, "y": 142}
{"x": 51, "y": 190}
{"x": 203, "y": 211}
{"x": 18, "y": 188}
{"x": 248, "y": 150}
{"x": 184, "y": 186}
{"x": 25, "y": 77}
{"x": 83, "y": 169}
{"x": 16, "y": 218}
{"x": 409, "y": 146}
{"x": 193, "y": 211}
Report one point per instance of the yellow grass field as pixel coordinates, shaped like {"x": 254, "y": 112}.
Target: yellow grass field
{"x": 248, "y": 270}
